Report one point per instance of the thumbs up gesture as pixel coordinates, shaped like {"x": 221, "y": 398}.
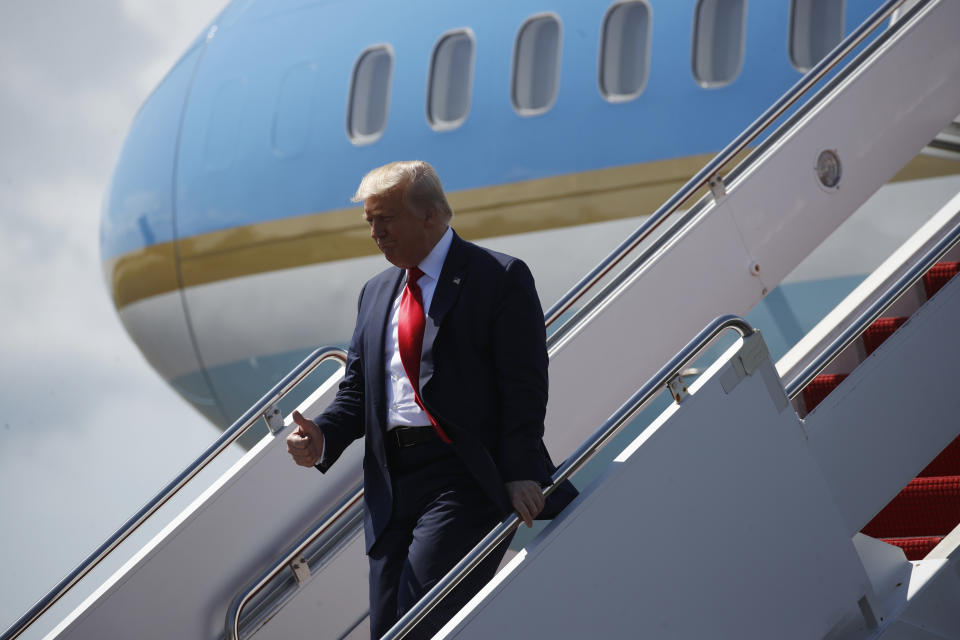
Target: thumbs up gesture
{"x": 306, "y": 443}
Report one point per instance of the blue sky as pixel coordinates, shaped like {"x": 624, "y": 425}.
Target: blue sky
{"x": 88, "y": 431}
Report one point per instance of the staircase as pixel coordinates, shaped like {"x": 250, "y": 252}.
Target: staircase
{"x": 707, "y": 551}
{"x": 661, "y": 545}
{"x": 928, "y": 508}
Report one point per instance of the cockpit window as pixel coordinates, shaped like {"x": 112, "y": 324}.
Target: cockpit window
{"x": 536, "y": 65}
{"x": 370, "y": 95}
{"x": 718, "y": 41}
{"x": 816, "y": 27}
{"x": 625, "y": 50}
{"x": 451, "y": 80}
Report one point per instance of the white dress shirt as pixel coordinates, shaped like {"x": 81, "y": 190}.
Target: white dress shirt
{"x": 402, "y": 408}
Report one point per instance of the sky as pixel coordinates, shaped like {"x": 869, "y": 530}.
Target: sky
{"x": 88, "y": 431}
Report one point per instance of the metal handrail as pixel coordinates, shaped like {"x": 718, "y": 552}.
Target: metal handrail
{"x": 874, "y": 311}
{"x": 709, "y": 173}
{"x": 232, "y": 626}
{"x": 705, "y": 177}
{"x": 238, "y": 428}
{"x": 934, "y": 255}
{"x": 600, "y": 437}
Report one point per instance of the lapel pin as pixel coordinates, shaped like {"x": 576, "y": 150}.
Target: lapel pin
{"x": 456, "y": 281}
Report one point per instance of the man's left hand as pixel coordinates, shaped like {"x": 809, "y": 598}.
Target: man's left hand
{"x": 526, "y": 498}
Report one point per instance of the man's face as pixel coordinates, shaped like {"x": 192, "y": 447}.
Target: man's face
{"x": 402, "y": 236}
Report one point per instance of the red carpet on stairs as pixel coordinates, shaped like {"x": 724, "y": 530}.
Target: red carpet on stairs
{"x": 929, "y": 504}
{"x": 915, "y": 548}
{"x": 928, "y": 508}
{"x": 938, "y": 276}
{"x": 880, "y": 330}
{"x": 819, "y": 388}
{"x": 945, "y": 464}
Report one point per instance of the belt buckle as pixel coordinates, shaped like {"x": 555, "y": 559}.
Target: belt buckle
{"x": 409, "y": 436}
{"x": 398, "y": 440}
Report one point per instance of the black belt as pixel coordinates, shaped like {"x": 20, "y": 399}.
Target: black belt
{"x": 402, "y": 437}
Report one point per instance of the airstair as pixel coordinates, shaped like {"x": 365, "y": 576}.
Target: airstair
{"x": 734, "y": 517}
{"x": 738, "y": 512}
{"x": 928, "y": 508}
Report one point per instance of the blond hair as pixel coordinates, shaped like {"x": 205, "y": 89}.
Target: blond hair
{"x": 422, "y": 191}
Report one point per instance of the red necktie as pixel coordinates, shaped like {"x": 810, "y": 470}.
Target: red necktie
{"x": 410, "y": 327}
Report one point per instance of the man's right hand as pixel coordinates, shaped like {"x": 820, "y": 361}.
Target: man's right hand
{"x": 306, "y": 443}
{"x": 526, "y": 498}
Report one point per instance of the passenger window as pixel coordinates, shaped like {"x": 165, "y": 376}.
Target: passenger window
{"x": 451, "y": 79}
{"x": 625, "y": 51}
{"x": 816, "y": 27}
{"x": 718, "y": 41}
{"x": 536, "y": 65}
{"x": 369, "y": 95}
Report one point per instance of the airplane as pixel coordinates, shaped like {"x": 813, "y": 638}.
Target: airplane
{"x": 556, "y": 126}
{"x": 220, "y": 246}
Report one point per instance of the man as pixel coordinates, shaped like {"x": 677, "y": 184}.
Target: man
{"x": 447, "y": 378}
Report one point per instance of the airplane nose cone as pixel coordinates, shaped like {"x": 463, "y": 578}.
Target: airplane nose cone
{"x": 138, "y": 242}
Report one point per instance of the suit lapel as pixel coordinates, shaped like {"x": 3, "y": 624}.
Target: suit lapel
{"x": 445, "y": 295}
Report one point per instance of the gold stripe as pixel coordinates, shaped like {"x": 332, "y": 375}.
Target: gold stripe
{"x": 533, "y": 205}
{"x": 142, "y": 273}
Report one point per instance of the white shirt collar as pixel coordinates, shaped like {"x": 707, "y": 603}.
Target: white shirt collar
{"x": 432, "y": 265}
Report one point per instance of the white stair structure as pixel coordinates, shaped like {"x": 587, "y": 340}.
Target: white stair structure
{"x": 730, "y": 517}
{"x": 649, "y": 549}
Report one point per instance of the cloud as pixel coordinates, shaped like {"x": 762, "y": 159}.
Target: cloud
{"x": 85, "y": 425}
{"x": 72, "y": 75}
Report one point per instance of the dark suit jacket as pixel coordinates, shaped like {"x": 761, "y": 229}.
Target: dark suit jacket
{"x": 483, "y": 376}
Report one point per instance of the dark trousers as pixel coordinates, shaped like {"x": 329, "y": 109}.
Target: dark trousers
{"x": 439, "y": 515}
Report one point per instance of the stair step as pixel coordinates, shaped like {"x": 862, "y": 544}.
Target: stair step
{"x": 928, "y": 508}
{"x": 880, "y": 330}
{"x": 925, "y": 507}
{"x": 819, "y": 388}
{"x": 945, "y": 464}
{"x": 938, "y": 276}
{"x": 915, "y": 548}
